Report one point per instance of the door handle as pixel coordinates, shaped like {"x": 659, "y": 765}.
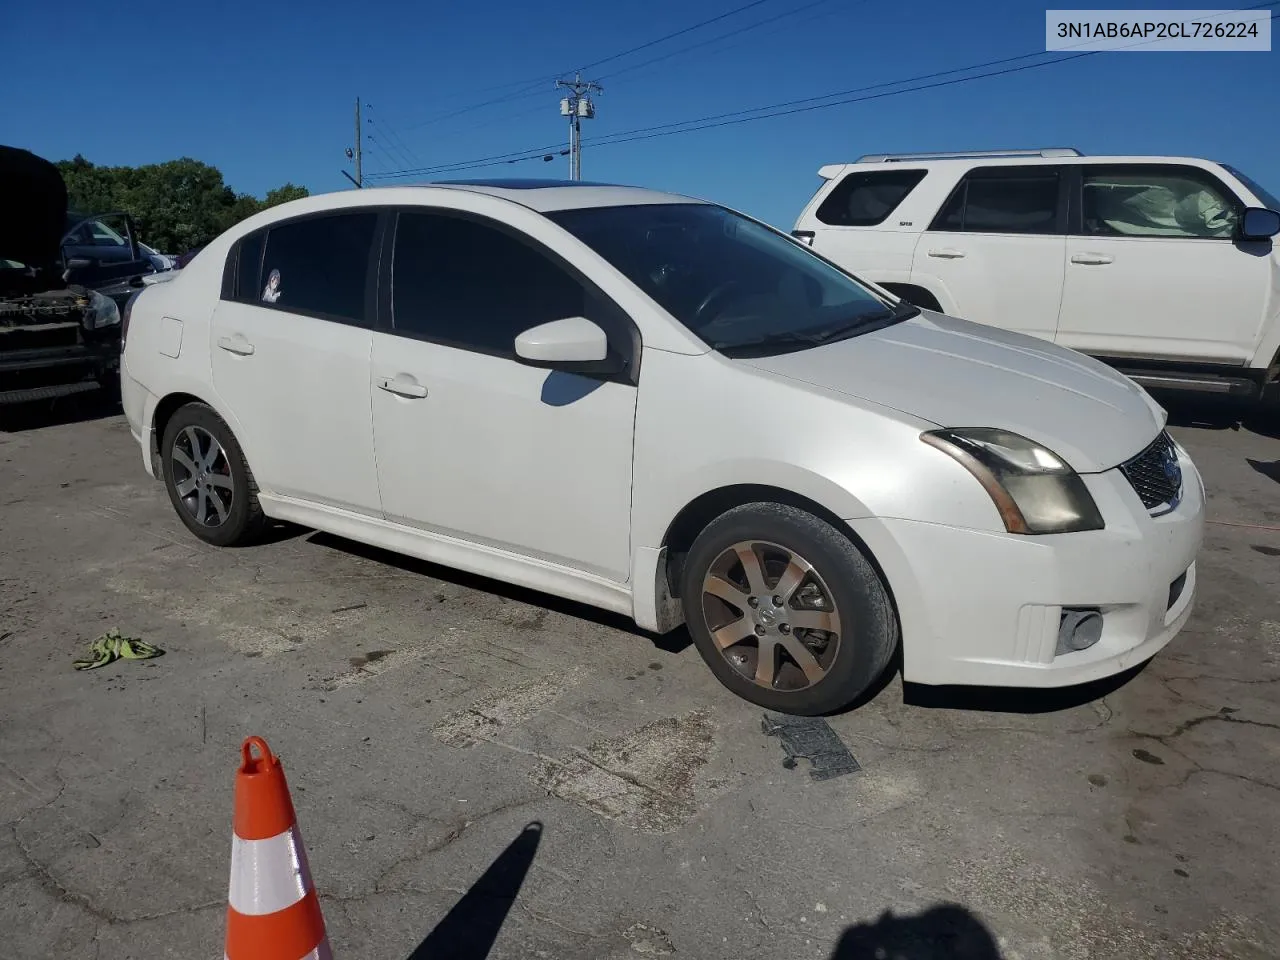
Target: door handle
{"x": 947, "y": 253}
{"x": 403, "y": 386}
{"x": 1091, "y": 259}
{"x": 237, "y": 345}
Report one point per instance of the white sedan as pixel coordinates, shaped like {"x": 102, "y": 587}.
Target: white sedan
{"x": 661, "y": 407}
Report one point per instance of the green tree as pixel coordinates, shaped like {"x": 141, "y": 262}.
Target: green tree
{"x": 177, "y": 205}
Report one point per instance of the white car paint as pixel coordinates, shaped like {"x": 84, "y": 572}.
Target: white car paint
{"x": 470, "y": 460}
{"x": 1165, "y": 300}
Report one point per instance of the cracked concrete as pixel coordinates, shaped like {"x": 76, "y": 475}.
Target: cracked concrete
{"x": 425, "y": 717}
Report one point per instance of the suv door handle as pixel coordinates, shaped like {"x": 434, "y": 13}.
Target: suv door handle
{"x": 1091, "y": 259}
{"x": 403, "y": 385}
{"x": 947, "y": 253}
{"x": 237, "y": 345}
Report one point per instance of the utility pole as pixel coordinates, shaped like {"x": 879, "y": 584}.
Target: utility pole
{"x": 577, "y": 107}
{"x": 359, "y": 152}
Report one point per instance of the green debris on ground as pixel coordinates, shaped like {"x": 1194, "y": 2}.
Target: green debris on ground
{"x": 112, "y": 646}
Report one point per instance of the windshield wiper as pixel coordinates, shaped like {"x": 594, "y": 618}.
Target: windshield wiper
{"x": 815, "y": 338}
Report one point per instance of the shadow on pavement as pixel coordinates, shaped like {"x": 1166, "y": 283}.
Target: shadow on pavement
{"x": 1268, "y": 468}
{"x": 469, "y": 930}
{"x": 1016, "y": 699}
{"x": 673, "y": 642}
{"x": 80, "y": 408}
{"x": 944, "y": 932}
{"x": 1221, "y": 413}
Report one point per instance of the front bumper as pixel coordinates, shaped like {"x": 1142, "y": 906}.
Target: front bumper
{"x": 45, "y": 374}
{"x": 984, "y": 608}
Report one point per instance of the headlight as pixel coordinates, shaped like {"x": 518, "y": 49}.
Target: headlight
{"x": 102, "y": 311}
{"x": 1032, "y": 488}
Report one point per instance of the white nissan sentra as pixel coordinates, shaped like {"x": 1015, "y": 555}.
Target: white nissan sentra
{"x": 661, "y": 407}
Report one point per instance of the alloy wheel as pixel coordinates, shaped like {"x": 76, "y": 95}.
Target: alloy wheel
{"x": 202, "y": 476}
{"x": 771, "y": 615}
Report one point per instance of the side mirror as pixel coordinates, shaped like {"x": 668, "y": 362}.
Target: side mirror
{"x": 574, "y": 345}
{"x": 1259, "y": 223}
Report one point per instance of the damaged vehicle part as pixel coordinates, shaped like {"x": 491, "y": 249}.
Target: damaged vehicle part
{"x": 58, "y": 335}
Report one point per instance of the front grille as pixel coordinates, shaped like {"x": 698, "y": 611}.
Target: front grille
{"x": 1156, "y": 475}
{"x": 40, "y": 336}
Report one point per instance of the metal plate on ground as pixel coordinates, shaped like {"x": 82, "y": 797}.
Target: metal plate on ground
{"x": 813, "y": 739}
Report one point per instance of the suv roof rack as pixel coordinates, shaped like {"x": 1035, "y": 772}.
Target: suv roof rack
{"x": 964, "y": 155}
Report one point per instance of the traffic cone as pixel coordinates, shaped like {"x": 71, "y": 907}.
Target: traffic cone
{"x": 272, "y": 909}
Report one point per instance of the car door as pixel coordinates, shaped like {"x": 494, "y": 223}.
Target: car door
{"x": 472, "y": 443}
{"x": 1153, "y": 269}
{"x": 996, "y": 248}
{"x": 290, "y": 347}
{"x": 102, "y": 253}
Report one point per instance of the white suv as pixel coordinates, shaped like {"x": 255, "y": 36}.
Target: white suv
{"x": 667, "y": 409}
{"x": 1161, "y": 266}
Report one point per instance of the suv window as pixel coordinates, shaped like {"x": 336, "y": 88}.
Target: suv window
{"x": 866, "y": 199}
{"x": 1003, "y": 200}
{"x": 467, "y": 284}
{"x": 319, "y": 266}
{"x": 1155, "y": 200}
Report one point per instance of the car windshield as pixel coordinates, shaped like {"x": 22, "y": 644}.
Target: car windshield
{"x": 740, "y": 286}
{"x": 93, "y": 233}
{"x": 1268, "y": 199}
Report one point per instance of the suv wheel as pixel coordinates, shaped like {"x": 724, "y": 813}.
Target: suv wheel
{"x": 786, "y": 611}
{"x": 209, "y": 482}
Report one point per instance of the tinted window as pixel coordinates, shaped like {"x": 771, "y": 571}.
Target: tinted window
{"x": 471, "y": 285}
{"x": 1155, "y": 201}
{"x": 735, "y": 283}
{"x": 319, "y": 265}
{"x": 249, "y": 268}
{"x": 1003, "y": 200}
{"x": 866, "y": 199}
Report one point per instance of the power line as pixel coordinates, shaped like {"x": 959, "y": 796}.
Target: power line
{"x": 383, "y": 153}
{"x": 785, "y": 108}
{"x": 391, "y": 136}
{"x": 538, "y": 81}
{"x": 653, "y": 131}
{"x": 725, "y": 36}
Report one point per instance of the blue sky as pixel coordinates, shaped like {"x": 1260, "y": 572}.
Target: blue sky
{"x": 265, "y": 92}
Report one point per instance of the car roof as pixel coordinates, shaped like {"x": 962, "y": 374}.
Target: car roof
{"x": 832, "y": 170}
{"x": 547, "y": 196}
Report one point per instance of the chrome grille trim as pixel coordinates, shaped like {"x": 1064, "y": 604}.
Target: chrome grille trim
{"x": 1156, "y": 475}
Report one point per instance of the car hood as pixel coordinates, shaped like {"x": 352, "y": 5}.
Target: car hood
{"x": 34, "y": 199}
{"x": 959, "y": 374}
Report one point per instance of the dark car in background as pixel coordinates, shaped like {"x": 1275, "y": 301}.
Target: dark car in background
{"x": 65, "y": 282}
{"x": 101, "y": 251}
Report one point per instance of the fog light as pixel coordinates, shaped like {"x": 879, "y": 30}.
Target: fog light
{"x": 1078, "y": 630}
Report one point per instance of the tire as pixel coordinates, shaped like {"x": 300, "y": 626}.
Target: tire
{"x": 221, "y": 507}
{"x": 830, "y": 572}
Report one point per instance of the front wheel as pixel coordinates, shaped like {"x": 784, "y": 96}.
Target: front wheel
{"x": 786, "y": 610}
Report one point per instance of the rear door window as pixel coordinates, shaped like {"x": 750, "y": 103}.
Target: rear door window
{"x": 1006, "y": 200}
{"x": 319, "y": 266}
{"x": 248, "y": 285}
{"x": 866, "y": 199}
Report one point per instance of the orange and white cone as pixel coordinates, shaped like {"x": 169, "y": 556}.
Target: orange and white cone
{"x": 273, "y": 912}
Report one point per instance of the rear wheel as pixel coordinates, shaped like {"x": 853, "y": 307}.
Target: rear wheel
{"x": 786, "y": 610}
{"x": 208, "y": 479}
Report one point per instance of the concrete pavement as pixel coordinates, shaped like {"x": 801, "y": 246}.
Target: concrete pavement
{"x": 426, "y": 718}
